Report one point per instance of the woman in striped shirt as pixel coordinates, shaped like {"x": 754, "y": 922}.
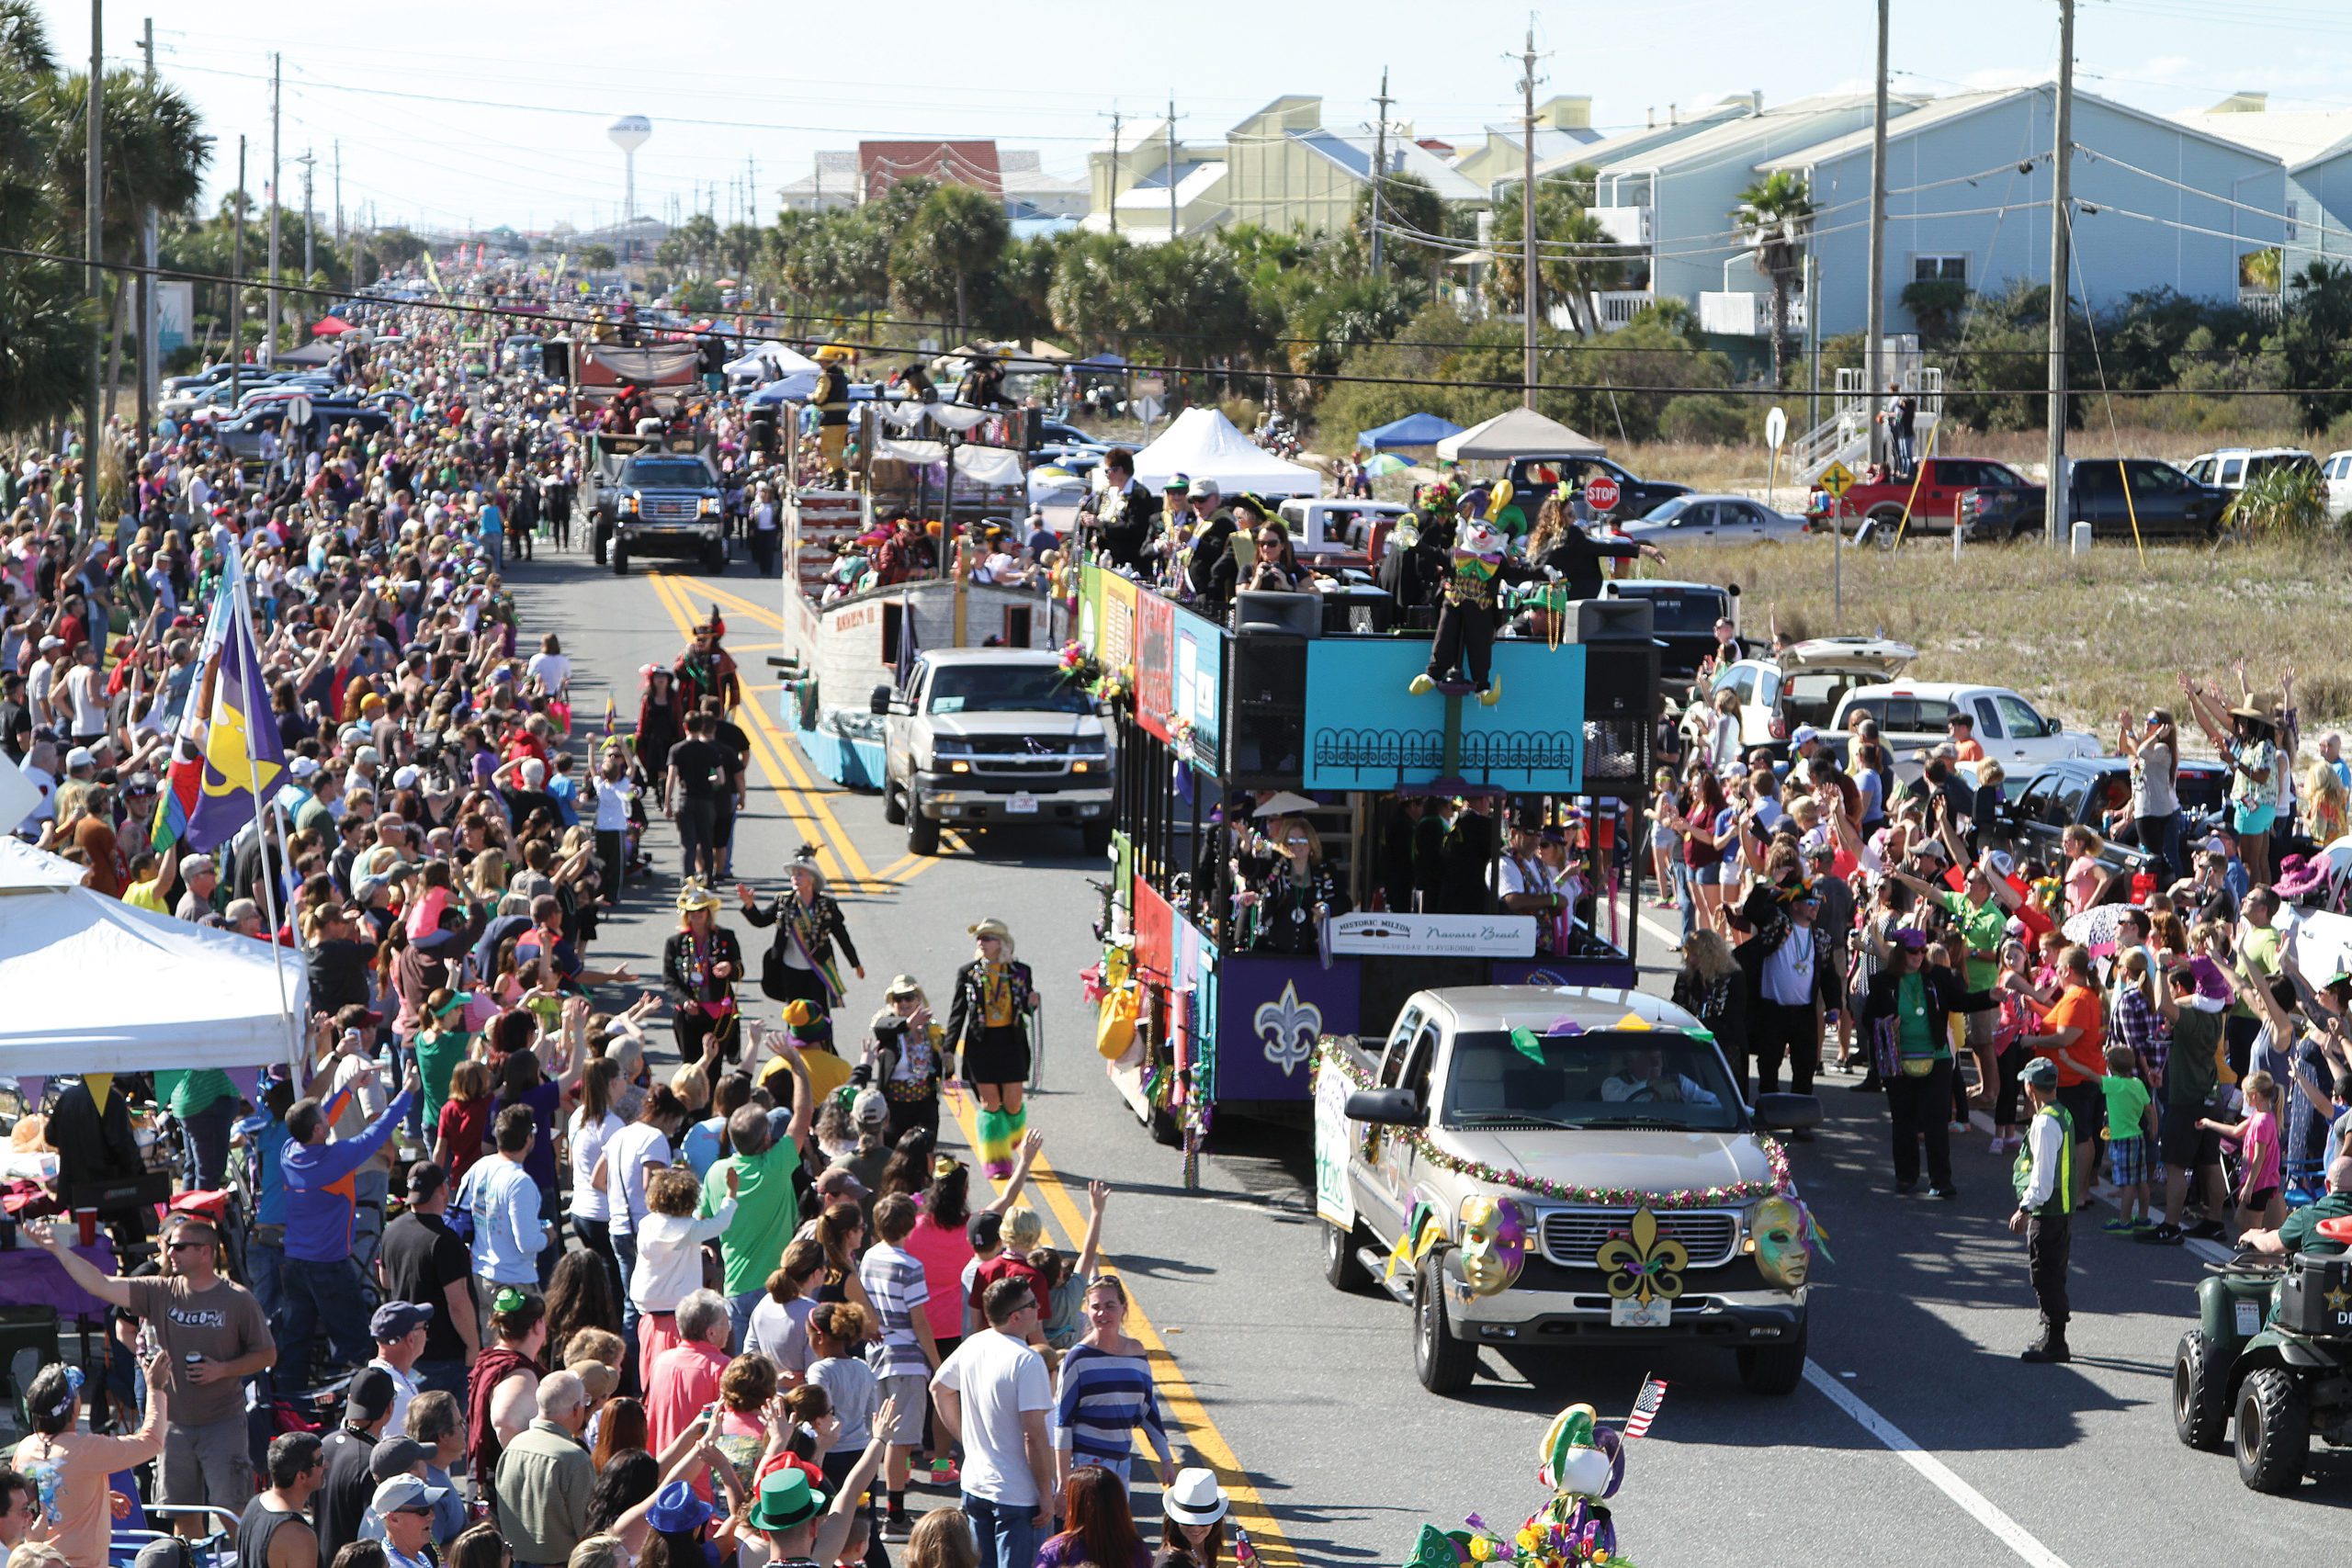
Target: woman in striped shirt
{"x": 1106, "y": 1391}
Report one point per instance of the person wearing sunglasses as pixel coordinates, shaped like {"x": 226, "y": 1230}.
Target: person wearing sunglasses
{"x": 213, "y": 1335}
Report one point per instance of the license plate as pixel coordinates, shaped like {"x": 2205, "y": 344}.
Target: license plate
{"x": 1023, "y": 806}
{"x": 2249, "y": 1315}
{"x": 1631, "y": 1314}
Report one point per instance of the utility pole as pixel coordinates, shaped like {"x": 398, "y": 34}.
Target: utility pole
{"x": 751, "y": 191}
{"x": 1112, "y": 185}
{"x": 1379, "y": 165}
{"x": 339, "y": 196}
{"x": 237, "y": 288}
{"x": 2055, "y": 487}
{"x": 269, "y": 346}
{"x": 149, "y": 356}
{"x": 1530, "y": 287}
{"x": 1874, "y": 329}
{"x": 93, "y": 204}
{"x": 1171, "y": 168}
{"x": 309, "y": 225}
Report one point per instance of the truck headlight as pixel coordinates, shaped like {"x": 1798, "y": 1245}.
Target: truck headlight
{"x": 708, "y": 506}
{"x": 948, "y": 747}
{"x": 628, "y": 504}
{"x": 1094, "y": 748}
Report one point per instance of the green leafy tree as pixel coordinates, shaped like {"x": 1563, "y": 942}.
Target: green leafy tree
{"x": 1576, "y": 256}
{"x": 595, "y": 258}
{"x": 955, "y": 237}
{"x": 1098, "y": 292}
{"x": 700, "y": 235}
{"x": 1776, "y": 216}
{"x": 2314, "y": 339}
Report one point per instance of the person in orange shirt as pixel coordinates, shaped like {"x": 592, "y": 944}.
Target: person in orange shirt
{"x": 1960, "y": 729}
{"x": 2074, "y": 1036}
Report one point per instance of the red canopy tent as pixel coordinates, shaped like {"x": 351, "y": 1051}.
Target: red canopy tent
{"x": 330, "y": 326}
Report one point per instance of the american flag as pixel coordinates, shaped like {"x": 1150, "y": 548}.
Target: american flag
{"x": 1646, "y": 1403}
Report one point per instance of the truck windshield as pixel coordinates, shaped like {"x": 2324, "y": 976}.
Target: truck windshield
{"x": 667, "y": 473}
{"x": 1602, "y": 1079}
{"x": 1005, "y": 688}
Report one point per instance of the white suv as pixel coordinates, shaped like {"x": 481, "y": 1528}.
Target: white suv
{"x": 1911, "y": 714}
{"x": 1804, "y": 685}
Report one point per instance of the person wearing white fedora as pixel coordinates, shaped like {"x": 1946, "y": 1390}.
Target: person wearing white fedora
{"x": 988, "y": 1030}
{"x": 1194, "y": 1524}
{"x": 700, "y": 964}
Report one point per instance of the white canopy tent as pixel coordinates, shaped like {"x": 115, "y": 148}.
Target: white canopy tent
{"x": 95, "y": 985}
{"x": 1518, "y": 432}
{"x": 771, "y": 362}
{"x": 1203, "y": 444}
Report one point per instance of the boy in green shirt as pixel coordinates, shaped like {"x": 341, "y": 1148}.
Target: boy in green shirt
{"x": 2131, "y": 1139}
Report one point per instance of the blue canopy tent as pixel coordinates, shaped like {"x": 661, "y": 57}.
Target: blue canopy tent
{"x": 1100, "y": 362}
{"x": 1413, "y": 430}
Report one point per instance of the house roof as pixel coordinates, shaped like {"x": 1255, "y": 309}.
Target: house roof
{"x": 1353, "y": 155}
{"x": 882, "y": 165}
{"x": 1726, "y": 137}
{"x": 1193, "y": 181}
{"x": 834, "y": 173}
{"x": 1551, "y": 141}
{"x": 1626, "y": 143}
{"x": 1937, "y": 112}
{"x": 2296, "y": 137}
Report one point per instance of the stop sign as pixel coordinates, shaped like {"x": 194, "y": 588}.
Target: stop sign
{"x": 1600, "y": 493}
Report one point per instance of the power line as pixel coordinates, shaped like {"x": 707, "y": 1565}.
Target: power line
{"x": 517, "y": 312}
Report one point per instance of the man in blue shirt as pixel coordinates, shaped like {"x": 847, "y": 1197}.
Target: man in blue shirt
{"x": 509, "y": 1233}
{"x": 321, "y": 1281}
{"x": 264, "y": 1134}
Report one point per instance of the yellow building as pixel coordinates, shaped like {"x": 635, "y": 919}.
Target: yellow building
{"x": 1280, "y": 168}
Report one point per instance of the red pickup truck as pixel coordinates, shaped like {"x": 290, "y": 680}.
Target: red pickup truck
{"x": 1932, "y": 502}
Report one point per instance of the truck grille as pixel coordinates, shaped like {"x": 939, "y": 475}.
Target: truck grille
{"x": 673, "y": 509}
{"x": 1573, "y": 1236}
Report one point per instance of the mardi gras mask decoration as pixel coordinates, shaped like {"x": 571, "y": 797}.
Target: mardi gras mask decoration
{"x": 1783, "y": 1251}
{"x": 1494, "y": 1243}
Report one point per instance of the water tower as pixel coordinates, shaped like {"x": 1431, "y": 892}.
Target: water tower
{"x": 629, "y": 133}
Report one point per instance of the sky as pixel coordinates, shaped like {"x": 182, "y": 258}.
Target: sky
{"x": 455, "y": 116}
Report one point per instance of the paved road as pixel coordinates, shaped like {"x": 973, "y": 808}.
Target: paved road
{"x": 1919, "y": 1440}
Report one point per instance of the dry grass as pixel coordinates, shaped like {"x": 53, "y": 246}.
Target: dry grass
{"x": 2084, "y": 639}
{"x": 1745, "y": 469}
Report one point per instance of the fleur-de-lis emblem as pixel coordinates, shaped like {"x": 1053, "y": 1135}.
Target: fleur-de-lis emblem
{"x": 1643, "y": 1266}
{"x": 1290, "y": 1028}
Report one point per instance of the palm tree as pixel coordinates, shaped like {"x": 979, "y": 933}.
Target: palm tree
{"x": 1776, "y": 215}
{"x": 959, "y": 234}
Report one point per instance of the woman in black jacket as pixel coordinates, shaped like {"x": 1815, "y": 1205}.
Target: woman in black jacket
{"x": 700, "y": 964}
{"x": 799, "y": 966}
{"x": 1906, "y": 1016}
{"x": 988, "y": 1030}
{"x": 1710, "y": 988}
{"x": 1558, "y": 545}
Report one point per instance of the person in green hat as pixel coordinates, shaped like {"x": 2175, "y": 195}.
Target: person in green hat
{"x": 801, "y": 1527}
{"x": 2045, "y": 1215}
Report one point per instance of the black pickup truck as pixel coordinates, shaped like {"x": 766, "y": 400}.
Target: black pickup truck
{"x": 1533, "y": 478}
{"x": 2083, "y": 791}
{"x": 2166, "y": 503}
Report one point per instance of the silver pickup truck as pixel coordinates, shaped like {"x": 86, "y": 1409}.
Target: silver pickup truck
{"x": 1530, "y": 1167}
{"x": 986, "y": 737}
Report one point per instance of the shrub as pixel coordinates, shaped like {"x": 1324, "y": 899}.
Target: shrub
{"x": 1700, "y": 420}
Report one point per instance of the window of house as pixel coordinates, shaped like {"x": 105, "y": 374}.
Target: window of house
{"x": 2295, "y": 216}
{"x": 1940, "y": 269}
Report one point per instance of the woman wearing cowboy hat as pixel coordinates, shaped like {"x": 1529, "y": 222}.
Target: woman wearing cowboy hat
{"x": 799, "y": 965}
{"x": 661, "y": 724}
{"x": 987, "y": 1030}
{"x": 907, "y": 1060}
{"x": 700, "y": 965}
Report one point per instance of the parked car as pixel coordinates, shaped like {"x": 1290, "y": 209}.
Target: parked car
{"x": 1532, "y": 478}
{"x": 1878, "y": 508}
{"x": 2164, "y": 503}
{"x": 2234, "y": 468}
{"x": 1911, "y": 715}
{"x": 2086, "y": 791}
{"x": 2337, "y": 472}
{"x": 1804, "y": 685}
{"x": 1713, "y": 520}
{"x": 1683, "y": 622}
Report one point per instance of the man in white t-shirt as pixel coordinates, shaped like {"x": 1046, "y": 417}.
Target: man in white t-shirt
{"x": 85, "y": 689}
{"x": 992, "y": 1395}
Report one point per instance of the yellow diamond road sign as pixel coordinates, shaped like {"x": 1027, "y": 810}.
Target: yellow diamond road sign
{"x": 1836, "y": 479}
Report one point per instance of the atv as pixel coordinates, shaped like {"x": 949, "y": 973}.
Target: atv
{"x": 2272, "y": 1349}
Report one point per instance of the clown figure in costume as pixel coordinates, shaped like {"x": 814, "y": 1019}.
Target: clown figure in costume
{"x": 988, "y": 1030}
{"x": 1463, "y": 648}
